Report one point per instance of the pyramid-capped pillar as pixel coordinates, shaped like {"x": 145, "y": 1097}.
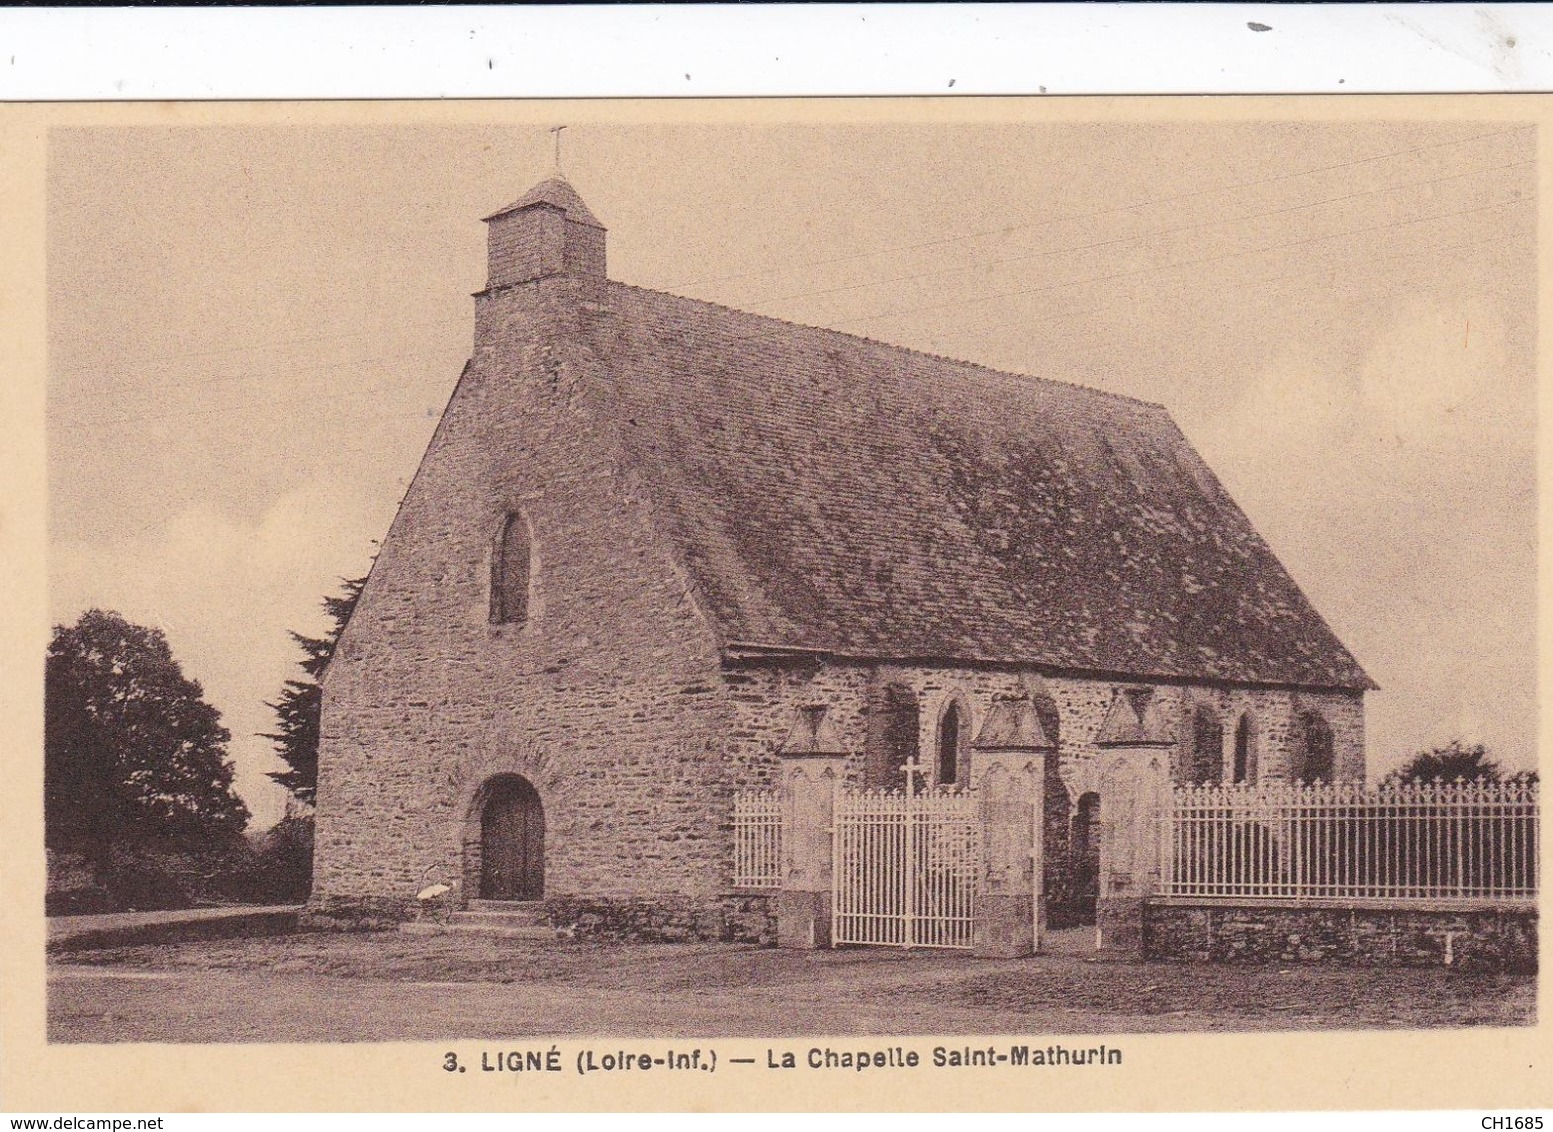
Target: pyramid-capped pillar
{"x": 1013, "y": 725}
{"x": 813, "y": 766}
{"x": 812, "y": 735}
{"x": 1136, "y": 718}
{"x": 1012, "y": 750}
{"x": 547, "y": 231}
{"x": 1134, "y": 778}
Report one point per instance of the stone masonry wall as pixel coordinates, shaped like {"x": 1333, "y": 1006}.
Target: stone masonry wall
{"x": 766, "y": 697}
{"x": 1276, "y": 736}
{"x": 607, "y": 699}
{"x": 1344, "y": 713}
{"x": 1481, "y": 939}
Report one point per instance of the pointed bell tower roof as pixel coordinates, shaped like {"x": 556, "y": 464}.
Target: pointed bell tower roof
{"x": 557, "y": 192}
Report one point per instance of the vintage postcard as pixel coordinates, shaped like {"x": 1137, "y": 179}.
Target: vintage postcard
{"x": 849, "y": 604}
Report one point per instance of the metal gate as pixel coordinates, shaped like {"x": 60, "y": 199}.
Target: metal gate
{"x": 906, "y": 867}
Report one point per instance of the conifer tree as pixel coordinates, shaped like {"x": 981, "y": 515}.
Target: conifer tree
{"x": 299, "y": 705}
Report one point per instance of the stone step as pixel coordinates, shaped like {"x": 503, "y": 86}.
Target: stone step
{"x": 516, "y": 907}
{"x": 508, "y": 917}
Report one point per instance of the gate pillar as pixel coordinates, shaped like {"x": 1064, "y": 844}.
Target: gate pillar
{"x": 813, "y": 766}
{"x": 1011, "y": 754}
{"x": 1135, "y": 743}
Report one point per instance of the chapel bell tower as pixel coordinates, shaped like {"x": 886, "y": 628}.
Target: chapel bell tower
{"x": 548, "y": 231}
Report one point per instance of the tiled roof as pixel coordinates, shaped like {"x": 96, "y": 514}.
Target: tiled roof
{"x": 556, "y": 191}
{"x": 834, "y": 493}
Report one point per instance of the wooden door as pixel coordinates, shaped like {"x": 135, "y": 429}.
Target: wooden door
{"x": 512, "y": 843}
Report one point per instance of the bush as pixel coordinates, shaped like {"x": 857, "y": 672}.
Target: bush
{"x": 141, "y": 879}
{"x": 274, "y": 868}
{"x": 126, "y": 878}
{"x": 279, "y": 868}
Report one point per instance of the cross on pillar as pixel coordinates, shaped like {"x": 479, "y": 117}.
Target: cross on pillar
{"x": 914, "y": 767}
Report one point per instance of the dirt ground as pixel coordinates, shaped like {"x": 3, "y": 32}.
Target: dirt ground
{"x": 393, "y": 987}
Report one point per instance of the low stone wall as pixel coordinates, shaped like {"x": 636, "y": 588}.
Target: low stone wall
{"x": 132, "y": 929}
{"x": 1474, "y": 938}
{"x": 726, "y": 919}
{"x": 732, "y": 918}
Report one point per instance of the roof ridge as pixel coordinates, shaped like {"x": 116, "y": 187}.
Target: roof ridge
{"x": 897, "y": 346}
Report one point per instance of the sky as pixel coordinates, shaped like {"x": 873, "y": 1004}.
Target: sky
{"x": 253, "y": 330}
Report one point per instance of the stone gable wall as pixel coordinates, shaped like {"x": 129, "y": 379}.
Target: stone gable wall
{"x": 607, "y": 699}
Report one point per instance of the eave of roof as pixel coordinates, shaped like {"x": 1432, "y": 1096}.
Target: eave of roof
{"x": 735, "y": 653}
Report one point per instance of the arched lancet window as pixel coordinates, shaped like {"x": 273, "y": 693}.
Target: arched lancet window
{"x": 510, "y": 572}
{"x": 1316, "y": 753}
{"x": 892, "y": 737}
{"x": 1207, "y": 746}
{"x": 948, "y": 767}
{"x": 1245, "y": 749}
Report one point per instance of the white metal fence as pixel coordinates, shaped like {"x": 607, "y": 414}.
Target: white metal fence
{"x": 1469, "y": 841}
{"x": 757, "y": 840}
{"x": 906, "y": 867}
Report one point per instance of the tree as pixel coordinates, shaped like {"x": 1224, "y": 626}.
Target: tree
{"x": 1453, "y": 761}
{"x": 298, "y": 708}
{"x": 132, "y": 752}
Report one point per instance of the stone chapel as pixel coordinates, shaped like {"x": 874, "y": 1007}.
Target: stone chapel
{"x": 650, "y": 533}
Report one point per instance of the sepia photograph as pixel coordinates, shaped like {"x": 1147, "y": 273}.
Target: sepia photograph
{"x": 873, "y": 584}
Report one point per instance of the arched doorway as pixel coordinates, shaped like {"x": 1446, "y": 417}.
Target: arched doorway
{"x": 512, "y": 840}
